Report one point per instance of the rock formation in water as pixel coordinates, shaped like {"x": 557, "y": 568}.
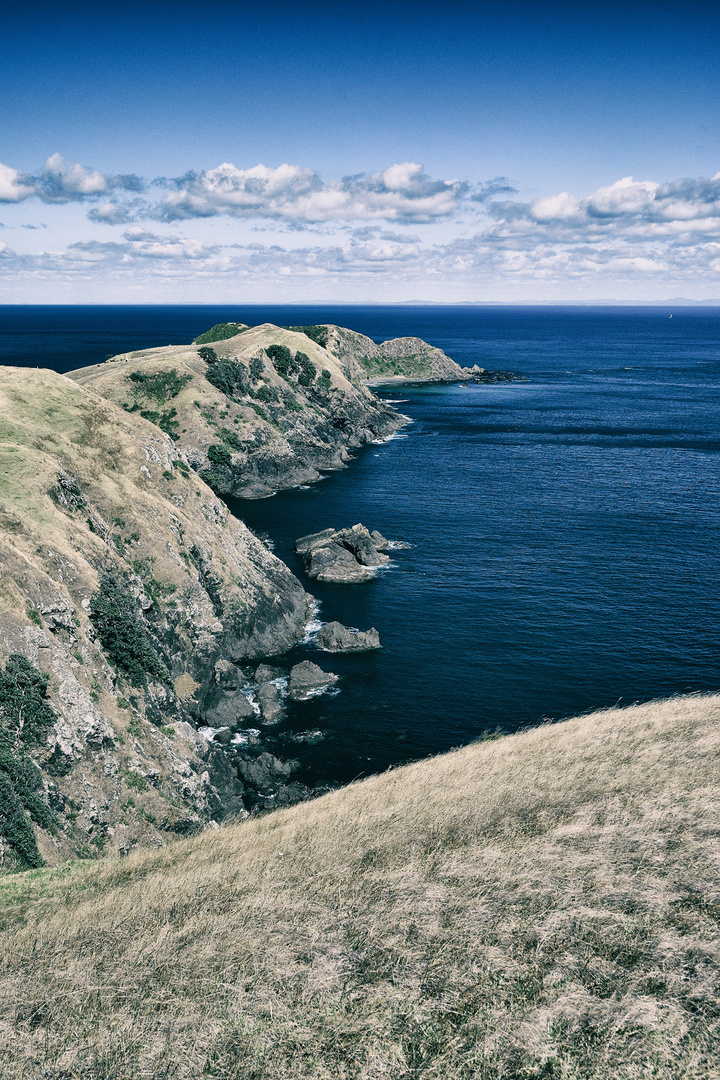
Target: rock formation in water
{"x": 334, "y": 637}
{"x": 343, "y": 556}
{"x": 306, "y": 679}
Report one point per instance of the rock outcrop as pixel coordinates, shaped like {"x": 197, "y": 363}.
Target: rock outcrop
{"x": 307, "y": 679}
{"x": 343, "y": 556}
{"x": 334, "y": 637}
{"x": 400, "y": 360}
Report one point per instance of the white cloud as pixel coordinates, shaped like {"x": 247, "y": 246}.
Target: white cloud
{"x": 402, "y": 192}
{"x": 12, "y": 186}
{"x": 62, "y": 181}
{"x": 625, "y": 232}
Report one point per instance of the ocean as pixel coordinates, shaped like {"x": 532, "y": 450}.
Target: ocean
{"x": 557, "y": 537}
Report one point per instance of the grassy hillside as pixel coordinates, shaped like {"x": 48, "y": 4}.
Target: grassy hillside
{"x": 544, "y": 905}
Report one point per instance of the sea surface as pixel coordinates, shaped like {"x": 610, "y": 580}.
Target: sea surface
{"x": 558, "y": 537}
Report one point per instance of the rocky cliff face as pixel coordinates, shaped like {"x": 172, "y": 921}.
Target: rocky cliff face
{"x": 126, "y": 585}
{"x": 408, "y": 358}
{"x": 255, "y": 413}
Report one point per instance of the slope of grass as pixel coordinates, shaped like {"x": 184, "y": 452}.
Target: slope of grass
{"x": 544, "y": 905}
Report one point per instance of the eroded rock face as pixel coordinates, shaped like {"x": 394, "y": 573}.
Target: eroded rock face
{"x": 306, "y": 679}
{"x": 345, "y": 556}
{"x": 94, "y": 493}
{"x": 334, "y": 637}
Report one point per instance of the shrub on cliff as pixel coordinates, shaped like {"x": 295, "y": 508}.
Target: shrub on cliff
{"x": 305, "y": 369}
{"x": 219, "y": 455}
{"x": 159, "y": 386}
{"x": 318, "y": 334}
{"x": 230, "y": 377}
{"x": 208, "y": 355}
{"x": 25, "y": 719}
{"x": 282, "y": 359}
{"x": 123, "y": 637}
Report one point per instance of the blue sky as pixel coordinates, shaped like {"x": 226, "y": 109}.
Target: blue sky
{"x": 393, "y": 151}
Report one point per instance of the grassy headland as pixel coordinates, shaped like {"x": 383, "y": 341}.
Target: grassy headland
{"x": 543, "y": 905}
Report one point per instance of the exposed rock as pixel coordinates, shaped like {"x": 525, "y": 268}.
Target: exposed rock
{"x": 334, "y": 637}
{"x": 224, "y": 708}
{"x": 401, "y": 360}
{"x": 265, "y": 772}
{"x": 343, "y": 556}
{"x": 93, "y": 491}
{"x": 307, "y": 678}
{"x": 266, "y": 673}
{"x": 268, "y": 698}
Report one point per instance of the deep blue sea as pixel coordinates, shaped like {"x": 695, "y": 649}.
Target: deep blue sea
{"x": 563, "y": 530}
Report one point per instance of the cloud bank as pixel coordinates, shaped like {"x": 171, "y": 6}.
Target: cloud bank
{"x": 372, "y": 227}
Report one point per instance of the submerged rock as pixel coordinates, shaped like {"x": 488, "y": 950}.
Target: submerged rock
{"x": 334, "y": 637}
{"x": 343, "y": 556}
{"x": 307, "y": 678}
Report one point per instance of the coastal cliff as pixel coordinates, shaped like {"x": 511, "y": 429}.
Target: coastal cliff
{"x": 126, "y": 585}
{"x": 134, "y": 608}
{"x": 261, "y": 411}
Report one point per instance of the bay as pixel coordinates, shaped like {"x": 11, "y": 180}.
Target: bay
{"x": 561, "y": 531}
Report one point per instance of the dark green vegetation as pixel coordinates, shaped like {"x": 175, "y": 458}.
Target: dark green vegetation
{"x": 318, "y": 334}
{"x": 300, "y": 366}
{"x": 123, "y": 637}
{"x": 159, "y": 387}
{"x": 220, "y": 332}
{"x": 25, "y": 719}
{"x": 208, "y": 355}
{"x": 230, "y": 377}
{"x": 219, "y": 455}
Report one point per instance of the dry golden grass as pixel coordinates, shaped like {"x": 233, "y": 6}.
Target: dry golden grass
{"x": 545, "y": 905}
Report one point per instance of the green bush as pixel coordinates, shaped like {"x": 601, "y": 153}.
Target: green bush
{"x": 318, "y": 334}
{"x": 165, "y": 421}
{"x": 135, "y": 781}
{"x": 159, "y": 386}
{"x": 113, "y": 612}
{"x": 25, "y": 719}
{"x": 305, "y": 369}
{"x": 208, "y": 355}
{"x": 256, "y": 368}
{"x": 231, "y": 438}
{"x": 266, "y": 393}
{"x": 220, "y": 332}
{"x": 229, "y": 377}
{"x": 282, "y": 359}
{"x": 219, "y": 455}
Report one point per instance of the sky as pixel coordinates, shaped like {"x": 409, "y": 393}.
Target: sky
{"x": 395, "y": 151}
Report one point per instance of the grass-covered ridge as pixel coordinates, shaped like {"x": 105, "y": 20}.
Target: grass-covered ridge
{"x": 220, "y": 332}
{"x": 544, "y": 905}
